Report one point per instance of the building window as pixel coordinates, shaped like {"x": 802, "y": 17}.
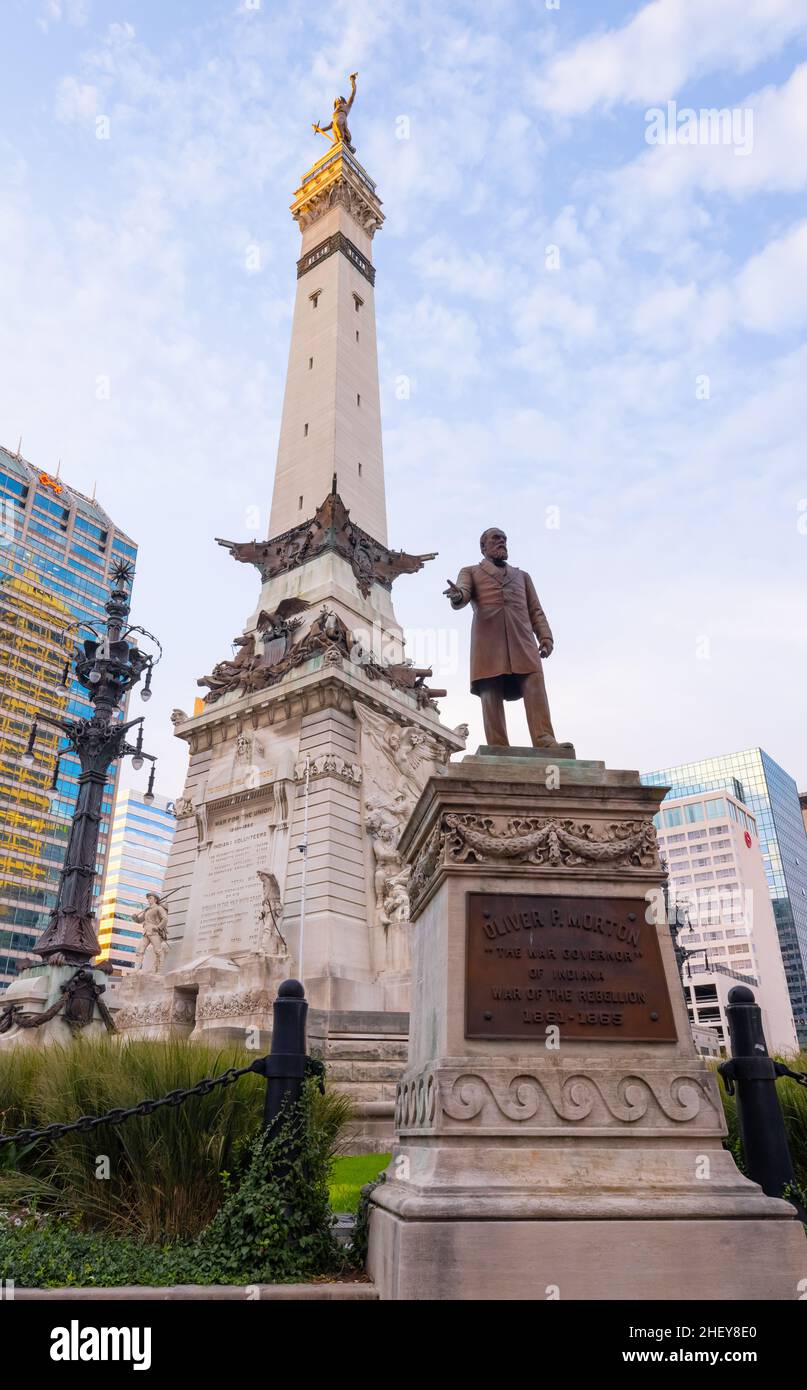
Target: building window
{"x": 358, "y": 399}
{"x": 300, "y": 505}
{"x": 305, "y": 430}
{"x": 694, "y": 811}
{"x": 357, "y": 301}
{"x": 715, "y": 808}
{"x": 357, "y": 335}
{"x": 310, "y": 363}
{"x": 673, "y": 817}
{"x": 359, "y": 470}
{"x": 314, "y": 297}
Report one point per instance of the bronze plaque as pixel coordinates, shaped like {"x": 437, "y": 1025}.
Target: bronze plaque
{"x": 589, "y": 966}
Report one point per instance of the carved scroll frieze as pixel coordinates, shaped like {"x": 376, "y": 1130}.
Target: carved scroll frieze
{"x": 551, "y": 1099}
{"x": 234, "y": 1005}
{"x": 158, "y": 1011}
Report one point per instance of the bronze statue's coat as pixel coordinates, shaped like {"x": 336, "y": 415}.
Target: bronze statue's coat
{"x": 506, "y": 615}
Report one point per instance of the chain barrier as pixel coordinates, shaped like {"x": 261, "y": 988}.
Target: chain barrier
{"x": 800, "y": 1077}
{"x": 143, "y": 1107}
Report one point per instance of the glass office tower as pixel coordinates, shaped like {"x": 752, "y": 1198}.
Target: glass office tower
{"x": 773, "y": 796}
{"x": 139, "y": 845}
{"x": 57, "y": 550}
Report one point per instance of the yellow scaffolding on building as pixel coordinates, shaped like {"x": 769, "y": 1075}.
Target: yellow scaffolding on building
{"x": 35, "y": 643}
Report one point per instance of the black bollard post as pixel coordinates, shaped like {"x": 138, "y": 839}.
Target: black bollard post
{"x": 285, "y": 1067}
{"x": 753, "y": 1073}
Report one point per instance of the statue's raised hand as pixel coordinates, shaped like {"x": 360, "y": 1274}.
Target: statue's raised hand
{"x": 453, "y": 592}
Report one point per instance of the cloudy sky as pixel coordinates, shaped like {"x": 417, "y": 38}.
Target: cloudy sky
{"x": 599, "y": 302}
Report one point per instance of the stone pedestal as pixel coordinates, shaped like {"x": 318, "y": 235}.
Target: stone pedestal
{"x": 556, "y": 1133}
{"x": 36, "y": 992}
{"x": 215, "y": 998}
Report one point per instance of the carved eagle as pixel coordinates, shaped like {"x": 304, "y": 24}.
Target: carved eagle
{"x": 280, "y": 616}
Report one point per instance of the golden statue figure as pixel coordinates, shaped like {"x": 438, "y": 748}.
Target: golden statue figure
{"x": 338, "y": 131}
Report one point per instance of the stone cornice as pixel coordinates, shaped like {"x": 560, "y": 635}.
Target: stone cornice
{"x": 333, "y": 687}
{"x": 338, "y": 180}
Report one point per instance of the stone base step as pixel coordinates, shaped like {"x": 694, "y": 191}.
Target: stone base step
{"x": 367, "y": 1067}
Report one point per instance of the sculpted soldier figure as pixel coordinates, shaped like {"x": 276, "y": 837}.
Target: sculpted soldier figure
{"x": 154, "y": 920}
{"x": 338, "y": 130}
{"x": 505, "y": 656}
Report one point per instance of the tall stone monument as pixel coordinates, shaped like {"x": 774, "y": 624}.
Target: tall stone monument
{"x": 318, "y": 735}
{"x": 557, "y": 1135}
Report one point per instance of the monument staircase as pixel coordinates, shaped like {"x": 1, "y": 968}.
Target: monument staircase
{"x": 365, "y": 1056}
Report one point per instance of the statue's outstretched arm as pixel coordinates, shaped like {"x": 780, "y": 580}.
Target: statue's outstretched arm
{"x": 352, "y": 96}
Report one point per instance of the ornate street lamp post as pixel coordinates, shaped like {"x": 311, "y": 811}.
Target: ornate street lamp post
{"x": 108, "y": 667}
{"x": 676, "y": 925}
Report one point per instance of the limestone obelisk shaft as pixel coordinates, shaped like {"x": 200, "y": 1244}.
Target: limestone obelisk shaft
{"x": 331, "y": 421}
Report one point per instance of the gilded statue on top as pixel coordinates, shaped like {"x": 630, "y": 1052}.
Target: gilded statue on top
{"x": 337, "y": 129}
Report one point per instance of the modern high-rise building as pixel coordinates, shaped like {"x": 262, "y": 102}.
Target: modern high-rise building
{"x": 140, "y": 841}
{"x": 753, "y": 778}
{"x": 710, "y": 844}
{"x": 57, "y": 551}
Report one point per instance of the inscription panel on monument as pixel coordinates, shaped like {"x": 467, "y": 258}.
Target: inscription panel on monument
{"x": 240, "y": 845}
{"x": 589, "y": 966}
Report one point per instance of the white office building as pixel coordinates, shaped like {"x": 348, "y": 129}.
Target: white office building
{"x": 710, "y": 843}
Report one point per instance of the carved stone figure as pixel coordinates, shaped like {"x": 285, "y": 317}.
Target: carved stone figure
{"x": 398, "y": 751}
{"x": 397, "y": 763}
{"x": 183, "y": 807}
{"x": 178, "y": 716}
{"x": 271, "y": 913}
{"x": 396, "y": 898}
{"x": 505, "y": 656}
{"x": 384, "y": 827}
{"x": 337, "y": 129}
{"x": 328, "y": 630}
{"x": 154, "y": 920}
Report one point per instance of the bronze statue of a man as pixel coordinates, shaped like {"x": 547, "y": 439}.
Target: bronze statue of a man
{"x": 505, "y": 657}
{"x": 337, "y": 130}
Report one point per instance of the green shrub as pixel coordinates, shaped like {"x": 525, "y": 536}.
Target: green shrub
{"x": 277, "y": 1222}
{"x": 275, "y": 1225}
{"x": 164, "y": 1169}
